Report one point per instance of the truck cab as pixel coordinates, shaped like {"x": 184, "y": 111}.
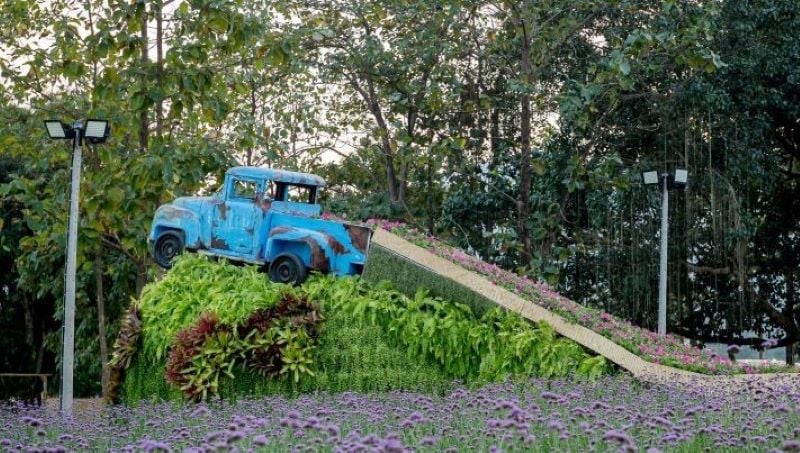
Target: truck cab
{"x": 263, "y": 216}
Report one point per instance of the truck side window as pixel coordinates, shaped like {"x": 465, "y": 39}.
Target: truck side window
{"x": 298, "y": 194}
{"x": 269, "y": 190}
{"x": 244, "y": 189}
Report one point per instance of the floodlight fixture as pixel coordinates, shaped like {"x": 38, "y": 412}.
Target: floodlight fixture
{"x": 667, "y": 182}
{"x": 650, "y": 177}
{"x": 681, "y": 176}
{"x": 96, "y": 131}
{"x": 58, "y": 130}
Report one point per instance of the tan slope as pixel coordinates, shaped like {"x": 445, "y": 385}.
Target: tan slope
{"x": 644, "y": 370}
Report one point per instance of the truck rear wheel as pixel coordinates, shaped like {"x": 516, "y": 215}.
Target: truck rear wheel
{"x": 168, "y": 245}
{"x": 288, "y": 268}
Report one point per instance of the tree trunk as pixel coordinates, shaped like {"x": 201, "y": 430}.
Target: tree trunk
{"x": 253, "y": 110}
{"x": 159, "y": 108}
{"x": 40, "y": 353}
{"x": 141, "y": 276}
{"x": 27, "y": 311}
{"x": 101, "y": 321}
{"x": 523, "y": 200}
{"x": 792, "y": 328}
{"x": 143, "y": 121}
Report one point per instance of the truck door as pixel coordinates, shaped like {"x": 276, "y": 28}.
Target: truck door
{"x": 233, "y": 222}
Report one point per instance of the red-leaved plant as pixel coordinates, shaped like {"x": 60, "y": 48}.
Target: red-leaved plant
{"x": 267, "y": 331}
{"x": 187, "y": 345}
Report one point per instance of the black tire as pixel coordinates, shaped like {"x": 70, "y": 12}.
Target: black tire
{"x": 288, "y": 268}
{"x": 169, "y": 244}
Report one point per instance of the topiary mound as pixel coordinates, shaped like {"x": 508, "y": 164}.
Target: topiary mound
{"x": 211, "y": 328}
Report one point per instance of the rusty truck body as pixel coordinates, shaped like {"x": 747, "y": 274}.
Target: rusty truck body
{"x": 262, "y": 216}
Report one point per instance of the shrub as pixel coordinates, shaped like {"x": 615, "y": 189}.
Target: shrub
{"x": 125, "y": 347}
{"x": 200, "y": 355}
{"x": 490, "y": 348}
{"x": 273, "y": 342}
{"x": 197, "y": 285}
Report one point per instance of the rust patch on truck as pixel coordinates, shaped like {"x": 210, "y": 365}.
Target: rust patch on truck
{"x": 223, "y": 211}
{"x": 359, "y": 236}
{"x": 217, "y": 243}
{"x": 319, "y": 260}
{"x": 335, "y": 245}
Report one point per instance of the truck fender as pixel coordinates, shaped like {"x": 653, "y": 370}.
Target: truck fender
{"x": 169, "y": 217}
{"x": 314, "y": 247}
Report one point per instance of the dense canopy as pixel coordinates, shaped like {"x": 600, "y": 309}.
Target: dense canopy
{"x": 514, "y": 129}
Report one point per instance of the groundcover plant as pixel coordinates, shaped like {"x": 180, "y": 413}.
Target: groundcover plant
{"x": 611, "y": 414}
{"x": 210, "y": 328}
{"x": 668, "y": 350}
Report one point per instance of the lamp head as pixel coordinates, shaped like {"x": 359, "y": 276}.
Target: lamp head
{"x": 58, "y": 130}
{"x": 96, "y": 131}
{"x": 650, "y": 177}
{"x": 681, "y": 176}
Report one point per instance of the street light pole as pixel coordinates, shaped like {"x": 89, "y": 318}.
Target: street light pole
{"x": 94, "y": 131}
{"x": 662, "y": 276}
{"x": 68, "y": 351}
{"x": 667, "y": 182}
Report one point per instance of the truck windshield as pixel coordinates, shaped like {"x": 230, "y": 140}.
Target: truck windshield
{"x": 244, "y": 189}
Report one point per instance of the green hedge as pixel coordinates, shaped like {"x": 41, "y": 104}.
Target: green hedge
{"x": 349, "y": 357}
{"x": 408, "y": 276}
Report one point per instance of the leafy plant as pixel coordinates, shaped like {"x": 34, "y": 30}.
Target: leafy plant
{"x": 192, "y": 356}
{"x": 498, "y": 345}
{"x": 125, "y": 347}
{"x": 282, "y": 336}
{"x": 196, "y": 285}
{"x": 273, "y": 342}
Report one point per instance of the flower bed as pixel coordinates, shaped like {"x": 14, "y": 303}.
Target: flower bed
{"x": 670, "y": 350}
{"x": 539, "y": 415}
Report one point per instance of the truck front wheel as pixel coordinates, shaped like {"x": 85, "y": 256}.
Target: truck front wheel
{"x": 287, "y": 268}
{"x": 168, "y": 245}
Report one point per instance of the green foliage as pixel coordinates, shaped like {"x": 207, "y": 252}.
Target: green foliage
{"x": 279, "y": 340}
{"x": 276, "y": 342}
{"x": 382, "y": 264}
{"x": 125, "y": 347}
{"x": 282, "y": 349}
{"x": 493, "y": 347}
{"x": 200, "y": 355}
{"x": 197, "y": 285}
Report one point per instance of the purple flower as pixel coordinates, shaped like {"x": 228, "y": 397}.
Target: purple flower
{"x": 791, "y": 445}
{"x": 260, "y": 440}
{"x": 769, "y": 343}
{"x": 617, "y": 436}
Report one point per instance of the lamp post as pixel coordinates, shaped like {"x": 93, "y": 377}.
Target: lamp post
{"x": 95, "y": 131}
{"x": 667, "y": 182}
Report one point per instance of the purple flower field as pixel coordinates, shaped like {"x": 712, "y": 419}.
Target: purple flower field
{"x": 612, "y": 414}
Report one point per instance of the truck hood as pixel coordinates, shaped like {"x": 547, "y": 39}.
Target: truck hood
{"x": 193, "y": 203}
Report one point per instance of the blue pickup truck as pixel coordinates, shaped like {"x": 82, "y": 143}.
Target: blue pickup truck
{"x": 262, "y": 216}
